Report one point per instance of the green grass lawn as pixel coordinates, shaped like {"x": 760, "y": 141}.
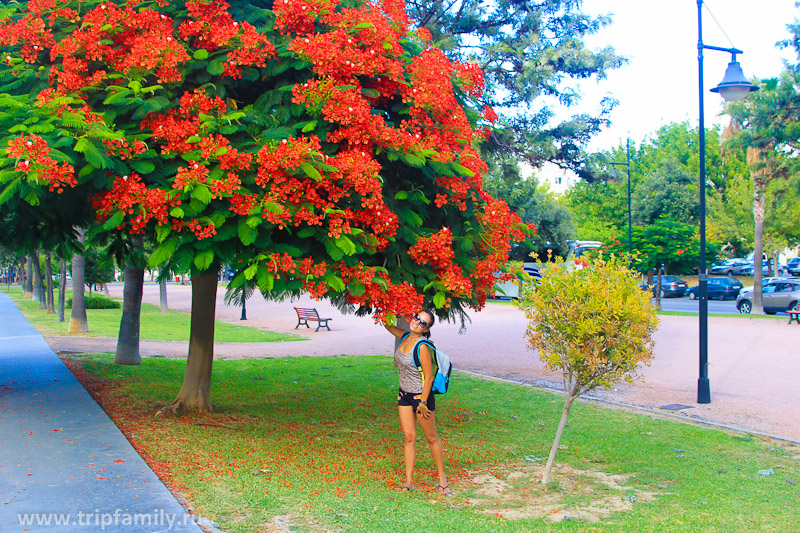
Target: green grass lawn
{"x": 155, "y": 325}
{"x": 316, "y": 442}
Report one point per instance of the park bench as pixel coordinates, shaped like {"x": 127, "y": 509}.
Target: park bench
{"x": 794, "y": 314}
{"x": 304, "y": 314}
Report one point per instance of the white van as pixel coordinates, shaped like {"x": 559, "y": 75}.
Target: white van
{"x": 510, "y": 289}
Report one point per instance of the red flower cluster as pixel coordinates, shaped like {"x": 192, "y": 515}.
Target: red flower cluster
{"x": 299, "y": 16}
{"x": 213, "y": 27}
{"x": 32, "y": 157}
{"x": 470, "y": 77}
{"x": 437, "y": 250}
{"x": 192, "y": 175}
{"x": 178, "y": 125}
{"x": 383, "y": 297}
{"x": 202, "y": 231}
{"x": 139, "y": 204}
{"x": 123, "y": 149}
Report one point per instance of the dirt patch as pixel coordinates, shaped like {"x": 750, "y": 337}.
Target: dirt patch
{"x": 575, "y": 494}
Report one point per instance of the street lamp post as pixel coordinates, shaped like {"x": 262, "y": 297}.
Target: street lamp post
{"x": 734, "y": 86}
{"x": 627, "y": 164}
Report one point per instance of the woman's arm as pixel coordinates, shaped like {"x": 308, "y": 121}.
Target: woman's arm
{"x": 427, "y": 384}
{"x": 394, "y": 330}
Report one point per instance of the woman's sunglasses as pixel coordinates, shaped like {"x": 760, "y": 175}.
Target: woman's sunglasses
{"x": 421, "y": 322}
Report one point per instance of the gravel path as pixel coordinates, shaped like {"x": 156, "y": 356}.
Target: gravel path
{"x": 753, "y": 363}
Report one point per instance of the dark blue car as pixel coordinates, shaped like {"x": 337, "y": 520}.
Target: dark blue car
{"x": 718, "y": 289}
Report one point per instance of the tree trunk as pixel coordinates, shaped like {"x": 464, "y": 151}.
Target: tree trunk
{"x": 244, "y": 309}
{"x": 78, "y": 323}
{"x": 569, "y": 397}
{"x": 759, "y": 210}
{"x": 62, "y": 289}
{"x": 162, "y": 295}
{"x": 21, "y": 275}
{"x": 28, "y": 278}
{"x": 195, "y": 393}
{"x": 38, "y": 287}
{"x": 48, "y": 272}
{"x": 128, "y": 340}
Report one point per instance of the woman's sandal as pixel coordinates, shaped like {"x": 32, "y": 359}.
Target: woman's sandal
{"x": 443, "y": 490}
{"x": 404, "y": 488}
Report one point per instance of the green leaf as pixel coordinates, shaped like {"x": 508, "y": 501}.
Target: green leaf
{"x": 94, "y": 156}
{"x": 142, "y": 167}
{"x": 162, "y": 232}
{"x": 306, "y": 232}
{"x": 412, "y": 160}
{"x": 439, "y": 300}
{"x": 337, "y": 284}
{"x": 346, "y": 245}
{"x": 176, "y": 212}
{"x": 441, "y": 168}
{"x": 250, "y": 272}
{"x": 200, "y": 54}
{"x": 202, "y": 193}
{"x": 162, "y": 253}
{"x": 247, "y": 234}
{"x": 253, "y": 221}
{"x": 228, "y": 129}
{"x": 310, "y": 171}
{"x": 310, "y": 126}
{"x": 118, "y": 96}
{"x": 215, "y": 68}
{"x": 333, "y": 250}
{"x": 151, "y": 105}
{"x": 265, "y": 281}
{"x": 10, "y": 190}
{"x": 461, "y": 169}
{"x": 401, "y": 195}
{"x": 114, "y": 221}
{"x": 204, "y": 259}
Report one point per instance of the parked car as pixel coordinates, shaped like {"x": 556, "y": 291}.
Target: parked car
{"x": 718, "y": 288}
{"x": 730, "y": 267}
{"x": 764, "y": 281}
{"x": 510, "y": 289}
{"x": 670, "y": 286}
{"x": 793, "y": 266}
{"x": 777, "y": 296}
{"x": 749, "y": 269}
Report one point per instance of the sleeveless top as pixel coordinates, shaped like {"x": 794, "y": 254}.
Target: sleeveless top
{"x": 410, "y": 377}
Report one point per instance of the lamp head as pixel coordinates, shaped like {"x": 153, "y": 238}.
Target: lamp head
{"x": 734, "y": 86}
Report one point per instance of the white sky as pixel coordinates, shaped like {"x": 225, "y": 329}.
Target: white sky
{"x": 659, "y": 84}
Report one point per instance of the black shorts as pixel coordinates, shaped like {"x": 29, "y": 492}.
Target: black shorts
{"x": 412, "y": 399}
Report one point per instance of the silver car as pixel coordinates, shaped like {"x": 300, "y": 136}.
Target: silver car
{"x": 778, "y": 296}
{"x": 731, "y": 267}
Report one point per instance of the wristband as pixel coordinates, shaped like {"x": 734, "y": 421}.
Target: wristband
{"x": 423, "y": 402}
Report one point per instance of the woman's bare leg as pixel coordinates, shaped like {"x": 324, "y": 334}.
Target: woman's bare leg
{"x": 409, "y": 426}
{"x": 435, "y": 443}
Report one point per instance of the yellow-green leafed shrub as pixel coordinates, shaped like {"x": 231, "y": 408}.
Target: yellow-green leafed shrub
{"x": 592, "y": 322}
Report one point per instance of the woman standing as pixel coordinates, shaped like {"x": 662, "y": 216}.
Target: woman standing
{"x": 415, "y": 402}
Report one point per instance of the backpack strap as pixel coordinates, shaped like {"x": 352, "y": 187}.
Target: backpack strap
{"x": 431, "y": 348}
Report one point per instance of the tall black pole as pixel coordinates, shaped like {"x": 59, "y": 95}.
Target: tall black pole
{"x": 628, "y": 159}
{"x": 703, "y": 386}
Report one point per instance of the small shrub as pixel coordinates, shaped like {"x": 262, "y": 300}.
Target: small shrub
{"x": 594, "y": 324}
{"x": 96, "y": 301}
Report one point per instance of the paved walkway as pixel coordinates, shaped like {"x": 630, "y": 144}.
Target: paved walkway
{"x": 64, "y": 465}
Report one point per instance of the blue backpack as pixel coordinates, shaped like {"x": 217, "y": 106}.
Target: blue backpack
{"x": 442, "y": 368}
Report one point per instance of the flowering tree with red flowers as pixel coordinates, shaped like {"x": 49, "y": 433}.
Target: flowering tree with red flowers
{"x": 320, "y": 145}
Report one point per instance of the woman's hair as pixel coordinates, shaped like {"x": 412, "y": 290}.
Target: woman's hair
{"x": 427, "y": 334}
